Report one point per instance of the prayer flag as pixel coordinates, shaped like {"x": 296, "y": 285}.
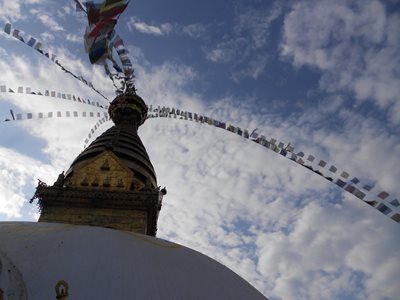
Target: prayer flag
{"x": 311, "y": 158}
{"x": 254, "y": 134}
{"x": 272, "y": 141}
{"x": 340, "y": 183}
{"x": 281, "y": 145}
{"x": 367, "y": 187}
{"x": 322, "y": 163}
{"x": 383, "y": 208}
{"x": 59, "y": 114}
{"x": 350, "y": 188}
{"x": 355, "y": 180}
{"x": 372, "y": 203}
{"x": 290, "y": 148}
{"x": 20, "y": 89}
{"x": 29, "y": 115}
{"x": 16, "y": 35}
{"x": 345, "y": 175}
{"x": 31, "y": 41}
{"x": 301, "y": 154}
{"x": 19, "y": 116}
{"x": 396, "y": 218}
{"x": 395, "y": 202}
{"x": 359, "y": 194}
{"x": 7, "y": 28}
{"x": 3, "y": 89}
{"x": 383, "y": 195}
{"x": 333, "y": 169}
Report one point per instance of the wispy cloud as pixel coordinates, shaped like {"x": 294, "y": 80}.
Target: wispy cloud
{"x": 10, "y": 10}
{"x": 46, "y": 37}
{"x": 355, "y": 46}
{"x": 244, "y": 48}
{"x": 135, "y": 23}
{"x": 195, "y": 31}
{"x": 74, "y": 38}
{"x": 49, "y": 22}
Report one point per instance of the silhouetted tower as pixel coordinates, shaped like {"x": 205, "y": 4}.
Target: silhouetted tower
{"x": 112, "y": 183}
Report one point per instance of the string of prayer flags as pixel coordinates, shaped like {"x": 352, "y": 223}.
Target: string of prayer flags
{"x": 58, "y": 114}
{"x": 38, "y": 46}
{"x": 54, "y": 94}
{"x": 381, "y": 201}
{"x": 94, "y": 128}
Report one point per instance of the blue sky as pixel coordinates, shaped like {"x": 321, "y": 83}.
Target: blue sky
{"x": 323, "y": 75}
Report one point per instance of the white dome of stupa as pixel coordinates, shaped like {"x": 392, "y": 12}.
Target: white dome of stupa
{"x": 102, "y": 263}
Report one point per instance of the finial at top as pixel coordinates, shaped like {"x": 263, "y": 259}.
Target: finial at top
{"x": 128, "y": 108}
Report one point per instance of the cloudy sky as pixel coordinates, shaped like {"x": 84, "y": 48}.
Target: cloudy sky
{"x": 322, "y": 75}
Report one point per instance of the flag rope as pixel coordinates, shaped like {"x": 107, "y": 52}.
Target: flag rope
{"x": 38, "y": 46}
{"x": 52, "y": 114}
{"x": 382, "y": 200}
{"x": 52, "y": 94}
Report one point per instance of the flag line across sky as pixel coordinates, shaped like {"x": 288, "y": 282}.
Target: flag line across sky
{"x": 382, "y": 201}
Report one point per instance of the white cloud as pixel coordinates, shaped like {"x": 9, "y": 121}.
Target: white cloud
{"x": 245, "y": 47}
{"x": 135, "y": 23}
{"x": 74, "y": 38}
{"x": 49, "y": 22}
{"x": 46, "y": 37}
{"x": 10, "y": 10}
{"x": 194, "y": 30}
{"x": 297, "y": 234}
{"x": 15, "y": 175}
{"x": 355, "y": 46}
